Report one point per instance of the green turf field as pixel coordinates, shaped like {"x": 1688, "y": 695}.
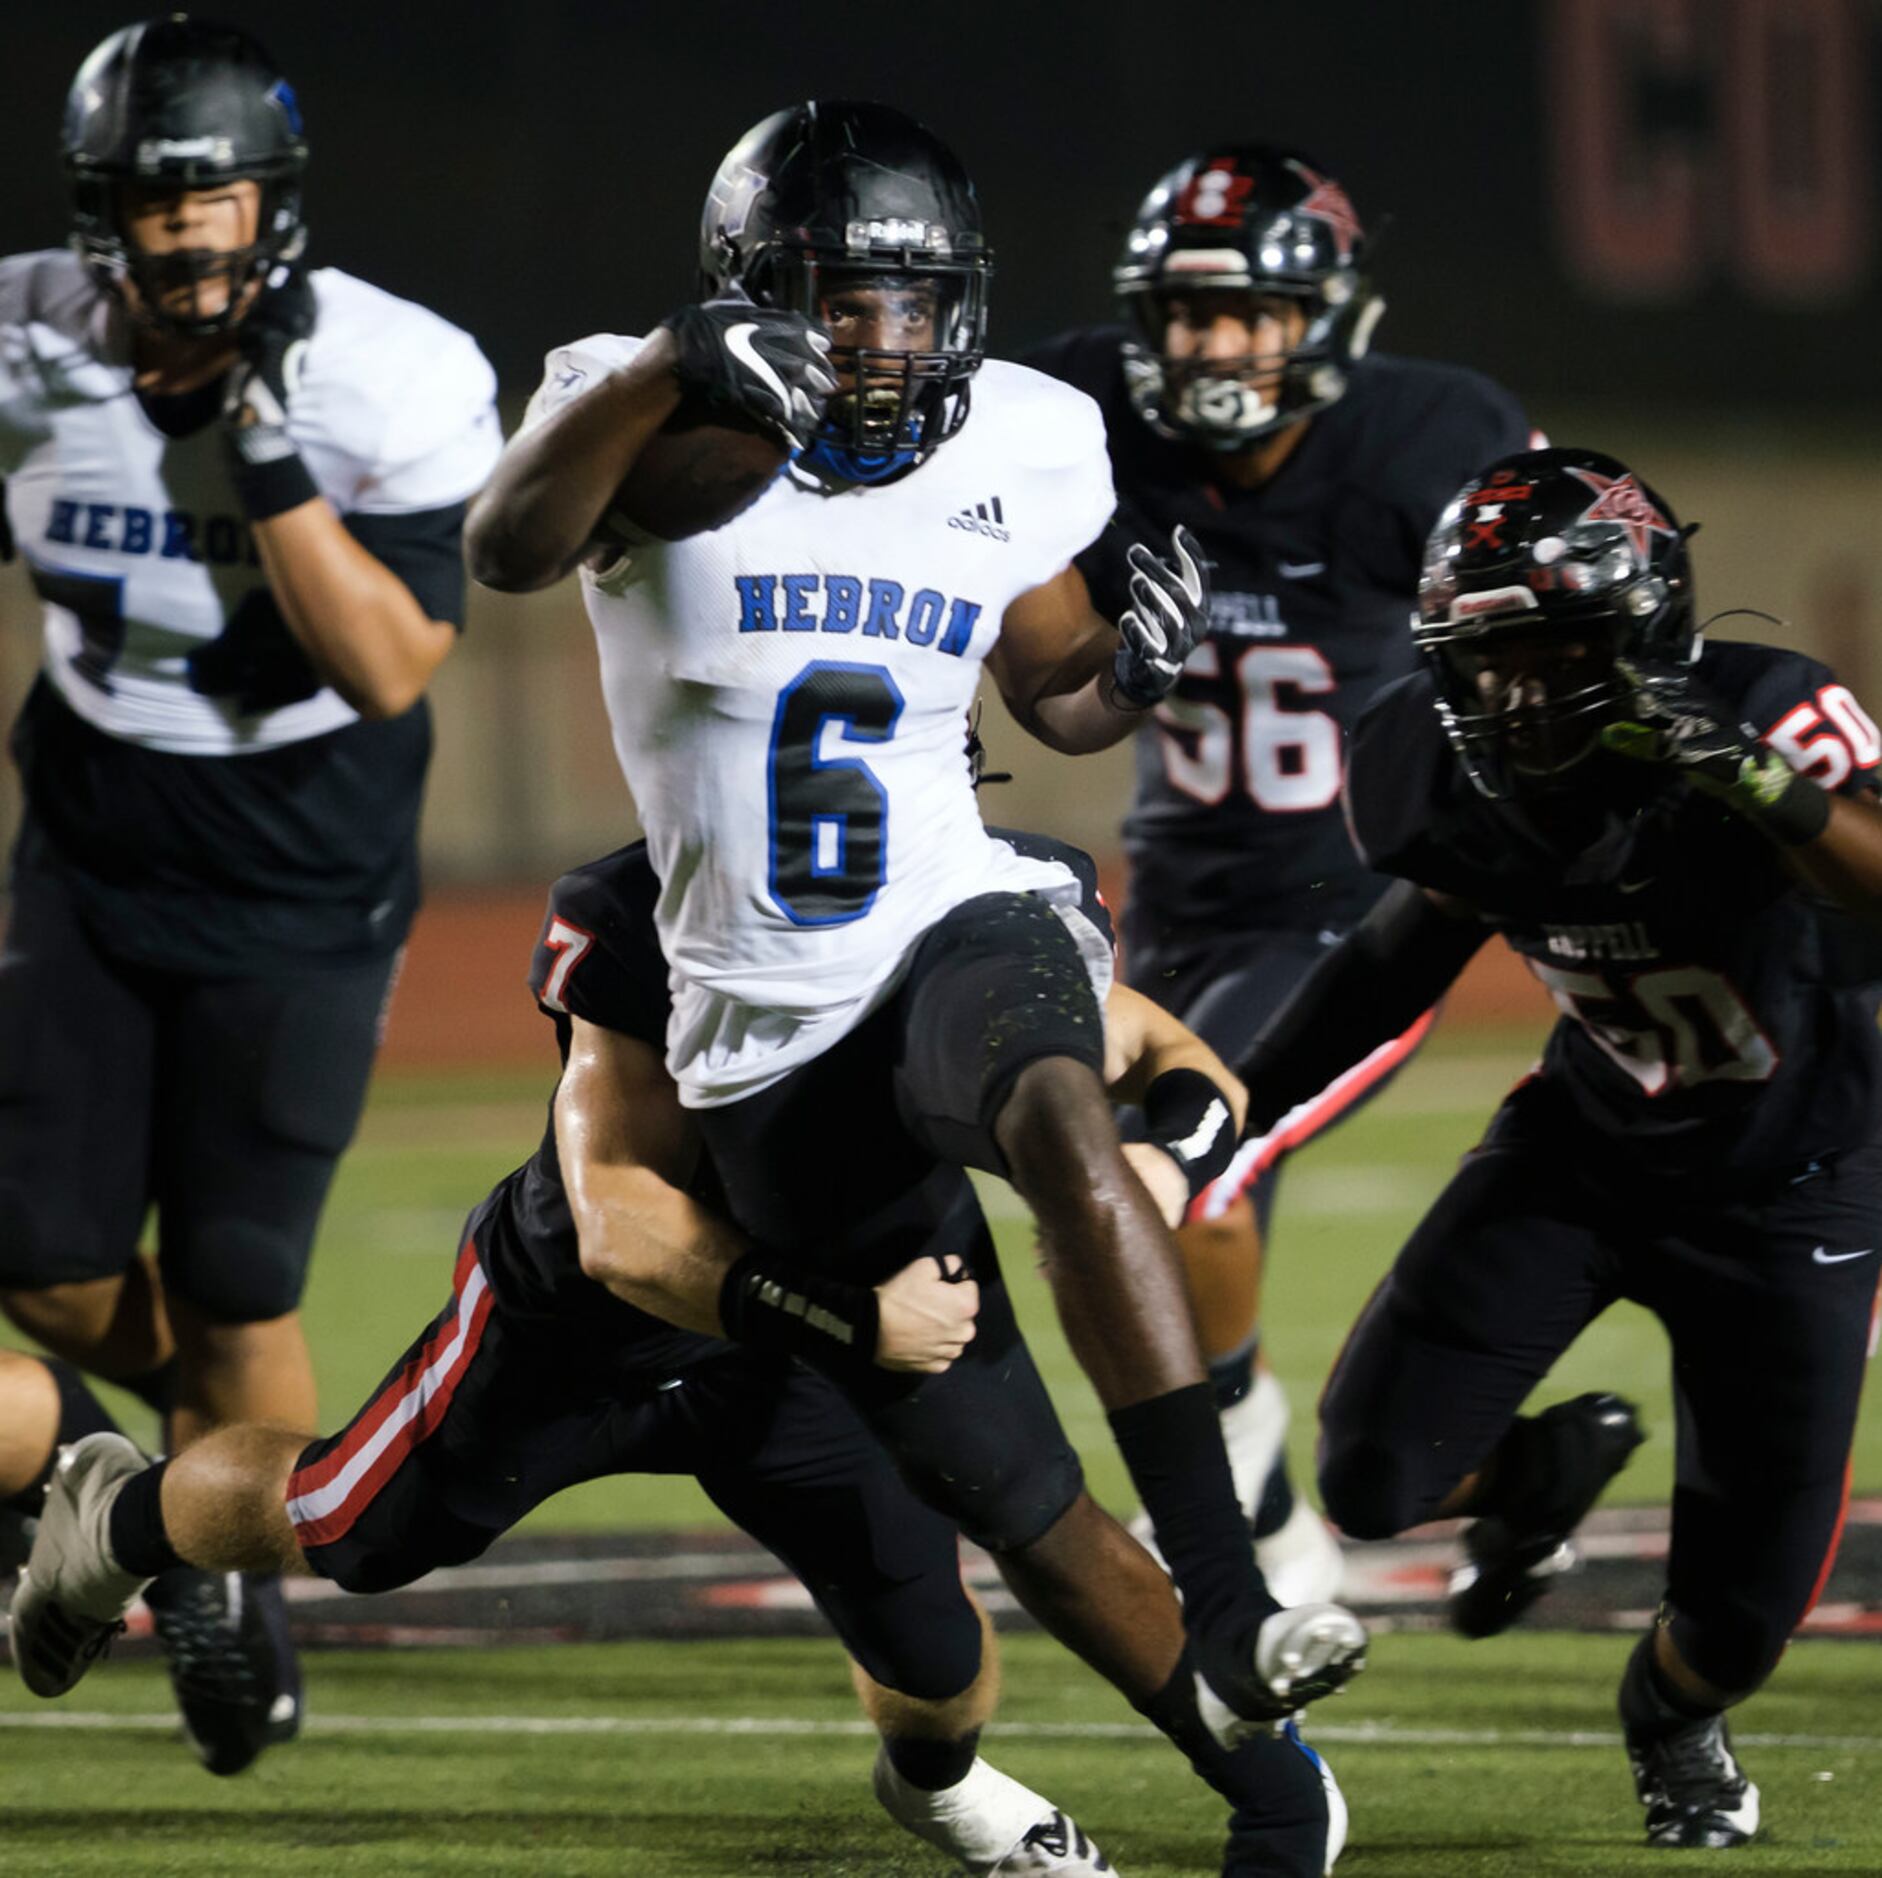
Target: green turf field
{"x": 695, "y": 1761}
{"x": 714, "y": 1760}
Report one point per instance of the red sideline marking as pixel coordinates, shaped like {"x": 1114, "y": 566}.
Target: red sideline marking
{"x": 1301, "y": 1123}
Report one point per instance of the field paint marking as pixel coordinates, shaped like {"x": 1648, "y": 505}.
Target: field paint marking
{"x": 1365, "y": 1734}
{"x": 561, "y": 1571}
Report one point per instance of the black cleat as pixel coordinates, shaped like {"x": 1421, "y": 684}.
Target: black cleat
{"x": 221, "y": 1633}
{"x": 1509, "y": 1565}
{"x": 1695, "y": 1793}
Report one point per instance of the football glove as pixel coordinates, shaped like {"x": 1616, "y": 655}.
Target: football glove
{"x": 1166, "y": 619}
{"x": 766, "y": 363}
{"x": 271, "y": 339}
{"x": 1672, "y": 724}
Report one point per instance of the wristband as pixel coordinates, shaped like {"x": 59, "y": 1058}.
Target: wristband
{"x": 271, "y": 488}
{"x": 1189, "y": 1118}
{"x": 769, "y": 1304}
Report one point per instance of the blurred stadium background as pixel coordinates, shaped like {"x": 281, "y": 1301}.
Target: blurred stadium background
{"x": 1655, "y": 220}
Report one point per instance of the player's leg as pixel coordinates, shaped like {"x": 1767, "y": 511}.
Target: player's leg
{"x": 1770, "y": 1344}
{"x": 983, "y": 1442}
{"x": 820, "y": 1492}
{"x": 1225, "y": 987}
{"x": 1419, "y": 1417}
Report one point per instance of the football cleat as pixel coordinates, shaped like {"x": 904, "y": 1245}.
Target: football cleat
{"x": 223, "y": 1635}
{"x": 1301, "y": 1560}
{"x": 1301, "y": 1654}
{"x": 72, "y": 1594}
{"x": 991, "y": 1825}
{"x": 1508, "y": 1565}
{"x": 1695, "y": 1793}
{"x": 1337, "y": 1817}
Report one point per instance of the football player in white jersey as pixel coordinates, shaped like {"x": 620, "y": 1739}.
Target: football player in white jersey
{"x": 238, "y": 488}
{"x": 868, "y": 989}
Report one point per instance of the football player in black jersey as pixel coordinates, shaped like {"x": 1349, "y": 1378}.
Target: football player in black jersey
{"x": 1683, "y": 842}
{"x": 1240, "y": 400}
{"x": 582, "y": 1338}
{"x": 238, "y": 488}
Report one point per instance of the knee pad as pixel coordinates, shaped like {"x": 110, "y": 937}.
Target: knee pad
{"x": 921, "y": 1639}
{"x": 1007, "y": 1510}
{"x": 1731, "y": 1645}
{"x": 1369, "y": 1490}
{"x": 237, "y": 1271}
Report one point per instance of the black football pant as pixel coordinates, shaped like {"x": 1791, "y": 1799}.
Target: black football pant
{"x": 1767, "y": 1298}
{"x": 222, "y": 1101}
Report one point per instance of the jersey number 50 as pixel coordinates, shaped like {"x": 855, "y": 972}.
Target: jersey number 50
{"x": 829, "y": 815}
{"x": 1290, "y": 759}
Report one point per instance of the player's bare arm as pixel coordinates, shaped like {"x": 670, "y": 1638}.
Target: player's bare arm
{"x": 1077, "y": 683}
{"x": 538, "y": 514}
{"x": 1844, "y": 864}
{"x": 627, "y": 1148}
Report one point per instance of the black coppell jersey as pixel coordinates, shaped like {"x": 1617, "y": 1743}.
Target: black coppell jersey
{"x": 1236, "y": 822}
{"x": 1716, "y": 1020}
{"x": 598, "y": 958}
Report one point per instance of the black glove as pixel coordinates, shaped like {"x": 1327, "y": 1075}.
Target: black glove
{"x": 1673, "y": 724}
{"x": 765, "y": 363}
{"x": 1167, "y": 617}
{"x": 269, "y": 474}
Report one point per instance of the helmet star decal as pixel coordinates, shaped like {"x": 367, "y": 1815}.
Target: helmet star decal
{"x": 1327, "y": 202}
{"x": 1621, "y": 499}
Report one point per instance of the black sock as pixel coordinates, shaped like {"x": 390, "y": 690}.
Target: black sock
{"x": 1232, "y": 1376}
{"x": 1277, "y": 1500}
{"x": 80, "y": 1414}
{"x": 1172, "y": 1445}
{"x": 156, "y": 1388}
{"x": 932, "y": 1765}
{"x": 1650, "y": 1705}
{"x": 138, "y": 1540}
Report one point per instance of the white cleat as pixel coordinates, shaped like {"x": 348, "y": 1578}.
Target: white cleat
{"x": 72, "y": 1594}
{"x": 1338, "y": 1819}
{"x": 1254, "y": 1430}
{"x": 991, "y": 1825}
{"x": 1301, "y": 1654}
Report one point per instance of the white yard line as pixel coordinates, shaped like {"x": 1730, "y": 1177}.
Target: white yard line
{"x": 1371, "y": 1734}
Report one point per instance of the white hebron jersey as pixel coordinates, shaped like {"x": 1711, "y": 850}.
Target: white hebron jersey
{"x": 136, "y": 540}
{"x": 789, "y": 697}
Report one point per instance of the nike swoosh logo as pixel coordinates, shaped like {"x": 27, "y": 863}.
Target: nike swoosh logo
{"x": 738, "y": 343}
{"x": 1302, "y": 570}
{"x": 1633, "y": 886}
{"x": 1824, "y": 1256}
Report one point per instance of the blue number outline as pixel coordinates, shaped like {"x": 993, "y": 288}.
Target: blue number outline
{"x": 852, "y": 733}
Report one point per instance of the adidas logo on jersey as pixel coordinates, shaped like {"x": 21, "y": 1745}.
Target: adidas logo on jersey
{"x": 984, "y": 518}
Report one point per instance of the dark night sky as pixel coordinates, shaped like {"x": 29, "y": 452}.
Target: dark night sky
{"x": 534, "y": 171}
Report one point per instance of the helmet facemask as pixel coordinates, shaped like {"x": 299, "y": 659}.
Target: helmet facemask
{"x": 167, "y": 289}
{"x": 1228, "y": 403}
{"x": 894, "y": 403}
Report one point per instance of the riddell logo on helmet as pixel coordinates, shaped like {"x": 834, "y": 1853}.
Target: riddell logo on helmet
{"x": 155, "y": 150}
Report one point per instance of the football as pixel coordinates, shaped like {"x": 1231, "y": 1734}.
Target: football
{"x": 697, "y": 472}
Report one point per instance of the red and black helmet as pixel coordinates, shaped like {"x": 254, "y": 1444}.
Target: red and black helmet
{"x": 1260, "y": 219}
{"x": 1557, "y": 546}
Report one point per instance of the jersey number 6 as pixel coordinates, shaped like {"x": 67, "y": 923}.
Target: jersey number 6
{"x": 829, "y": 815}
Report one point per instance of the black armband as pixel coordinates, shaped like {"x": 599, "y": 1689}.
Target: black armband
{"x": 273, "y": 486}
{"x": 1189, "y": 1118}
{"x": 767, "y": 1303}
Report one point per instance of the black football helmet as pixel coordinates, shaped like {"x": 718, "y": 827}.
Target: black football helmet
{"x": 189, "y": 103}
{"x": 830, "y": 193}
{"x": 1544, "y": 571}
{"x": 1260, "y": 219}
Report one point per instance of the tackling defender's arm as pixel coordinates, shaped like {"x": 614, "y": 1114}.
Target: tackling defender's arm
{"x": 1193, "y": 1107}
{"x": 627, "y": 1150}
